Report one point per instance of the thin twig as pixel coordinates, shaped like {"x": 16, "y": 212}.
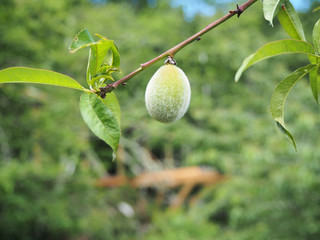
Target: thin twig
{"x": 172, "y": 51}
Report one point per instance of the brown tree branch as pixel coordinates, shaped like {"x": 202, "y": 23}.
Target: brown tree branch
{"x": 168, "y": 178}
{"x": 172, "y": 51}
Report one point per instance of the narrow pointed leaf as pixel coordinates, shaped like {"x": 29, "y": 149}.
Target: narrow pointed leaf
{"x": 314, "y": 77}
{"x": 270, "y": 9}
{"x": 98, "y": 53}
{"x": 39, "y": 76}
{"x": 115, "y": 53}
{"x": 290, "y": 21}
{"x": 102, "y": 117}
{"x": 316, "y": 9}
{"x": 115, "y": 56}
{"x": 287, "y": 133}
{"x": 81, "y": 40}
{"x": 316, "y": 36}
{"x": 280, "y": 95}
{"x": 274, "y": 49}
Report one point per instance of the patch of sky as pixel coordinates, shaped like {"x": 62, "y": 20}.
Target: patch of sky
{"x": 208, "y": 7}
{"x": 191, "y": 7}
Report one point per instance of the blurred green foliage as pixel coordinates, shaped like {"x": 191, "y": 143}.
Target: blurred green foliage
{"x": 57, "y": 201}
{"x": 49, "y": 159}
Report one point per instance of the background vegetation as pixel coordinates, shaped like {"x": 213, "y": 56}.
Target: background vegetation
{"x": 49, "y": 160}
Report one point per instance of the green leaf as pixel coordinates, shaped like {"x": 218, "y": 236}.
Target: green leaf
{"x": 40, "y": 76}
{"x": 97, "y": 55}
{"x": 102, "y": 117}
{"x": 287, "y": 133}
{"x": 290, "y": 21}
{"x": 112, "y": 103}
{"x": 270, "y": 9}
{"x": 280, "y": 95}
{"x": 114, "y": 50}
{"x": 115, "y": 56}
{"x": 314, "y": 77}
{"x": 81, "y": 40}
{"x": 316, "y": 9}
{"x": 274, "y": 49}
{"x": 316, "y": 36}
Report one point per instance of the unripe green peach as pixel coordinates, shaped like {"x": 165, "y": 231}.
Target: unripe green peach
{"x": 168, "y": 94}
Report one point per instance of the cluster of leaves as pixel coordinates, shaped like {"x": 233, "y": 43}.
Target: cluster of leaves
{"x": 102, "y": 115}
{"x": 291, "y": 23}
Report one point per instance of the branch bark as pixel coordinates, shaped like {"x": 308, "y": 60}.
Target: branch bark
{"x": 168, "y": 178}
{"x": 172, "y": 51}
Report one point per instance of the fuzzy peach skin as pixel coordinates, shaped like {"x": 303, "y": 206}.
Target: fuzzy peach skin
{"x": 168, "y": 94}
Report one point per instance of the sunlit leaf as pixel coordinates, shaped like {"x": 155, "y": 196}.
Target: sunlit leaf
{"x": 40, "y": 76}
{"x": 81, "y": 40}
{"x": 270, "y": 9}
{"x": 114, "y": 50}
{"x": 316, "y": 36}
{"x": 115, "y": 56}
{"x": 290, "y": 21}
{"x": 274, "y": 49}
{"x": 97, "y": 55}
{"x": 280, "y": 95}
{"x": 316, "y": 9}
{"x": 102, "y": 117}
